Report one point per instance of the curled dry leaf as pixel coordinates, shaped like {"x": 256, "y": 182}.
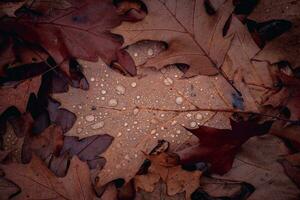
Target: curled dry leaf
{"x": 38, "y": 182}
{"x": 219, "y": 146}
{"x": 193, "y": 36}
{"x": 165, "y": 167}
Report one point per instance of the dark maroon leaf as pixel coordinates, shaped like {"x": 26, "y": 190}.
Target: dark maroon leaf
{"x": 59, "y": 165}
{"x": 219, "y": 146}
{"x": 60, "y": 116}
{"x": 87, "y": 149}
{"x": 127, "y": 191}
{"x": 244, "y": 7}
{"x": 97, "y": 163}
{"x": 266, "y": 31}
{"x": 79, "y": 31}
{"x": 210, "y": 10}
{"x": 78, "y": 79}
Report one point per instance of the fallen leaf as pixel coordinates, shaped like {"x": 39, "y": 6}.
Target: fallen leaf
{"x": 292, "y": 171}
{"x": 7, "y": 188}
{"x": 160, "y": 192}
{"x": 177, "y": 180}
{"x": 284, "y": 47}
{"x": 193, "y": 36}
{"x": 44, "y": 145}
{"x": 87, "y": 149}
{"x": 257, "y": 164}
{"x": 9, "y": 8}
{"x": 77, "y": 31}
{"x": 38, "y": 182}
{"x": 219, "y": 146}
{"x": 18, "y": 96}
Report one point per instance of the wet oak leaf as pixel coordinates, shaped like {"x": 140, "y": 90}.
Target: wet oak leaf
{"x": 18, "y": 96}
{"x": 193, "y": 36}
{"x": 38, "y": 182}
{"x": 219, "y": 146}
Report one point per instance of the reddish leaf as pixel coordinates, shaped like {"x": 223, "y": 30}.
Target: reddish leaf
{"x": 219, "y": 146}
{"x": 80, "y": 30}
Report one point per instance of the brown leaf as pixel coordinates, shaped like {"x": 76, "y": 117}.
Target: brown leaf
{"x": 80, "y": 30}
{"x": 9, "y": 8}
{"x": 165, "y": 167}
{"x": 44, "y": 145}
{"x": 7, "y": 188}
{"x": 38, "y": 182}
{"x": 292, "y": 171}
{"x": 193, "y": 36}
{"x": 18, "y": 96}
{"x": 219, "y": 146}
{"x": 286, "y": 46}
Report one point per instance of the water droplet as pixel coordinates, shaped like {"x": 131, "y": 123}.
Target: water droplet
{"x": 178, "y": 131}
{"x": 135, "y": 111}
{"x": 162, "y": 115}
{"x": 168, "y": 81}
{"x": 119, "y": 134}
{"x": 135, "y": 122}
{"x": 153, "y": 132}
{"x": 113, "y": 102}
{"x": 133, "y": 84}
{"x": 162, "y": 128}
{"x": 125, "y": 124}
{"x": 135, "y": 54}
{"x": 193, "y": 124}
{"x": 102, "y": 98}
{"x": 150, "y": 52}
{"x": 198, "y": 116}
{"x": 127, "y": 157}
{"x": 189, "y": 115}
{"x": 106, "y": 75}
{"x": 172, "y": 135}
{"x": 98, "y": 125}
{"x": 120, "y": 89}
{"x": 179, "y": 100}
{"x": 103, "y": 91}
{"x": 89, "y": 118}
{"x": 163, "y": 70}
{"x": 92, "y": 79}
{"x": 174, "y": 123}
{"x": 138, "y": 97}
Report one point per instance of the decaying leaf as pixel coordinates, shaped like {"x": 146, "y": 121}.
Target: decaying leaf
{"x": 219, "y": 146}
{"x": 38, "y": 182}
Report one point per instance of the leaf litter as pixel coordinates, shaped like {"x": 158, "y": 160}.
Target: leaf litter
{"x": 165, "y": 94}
